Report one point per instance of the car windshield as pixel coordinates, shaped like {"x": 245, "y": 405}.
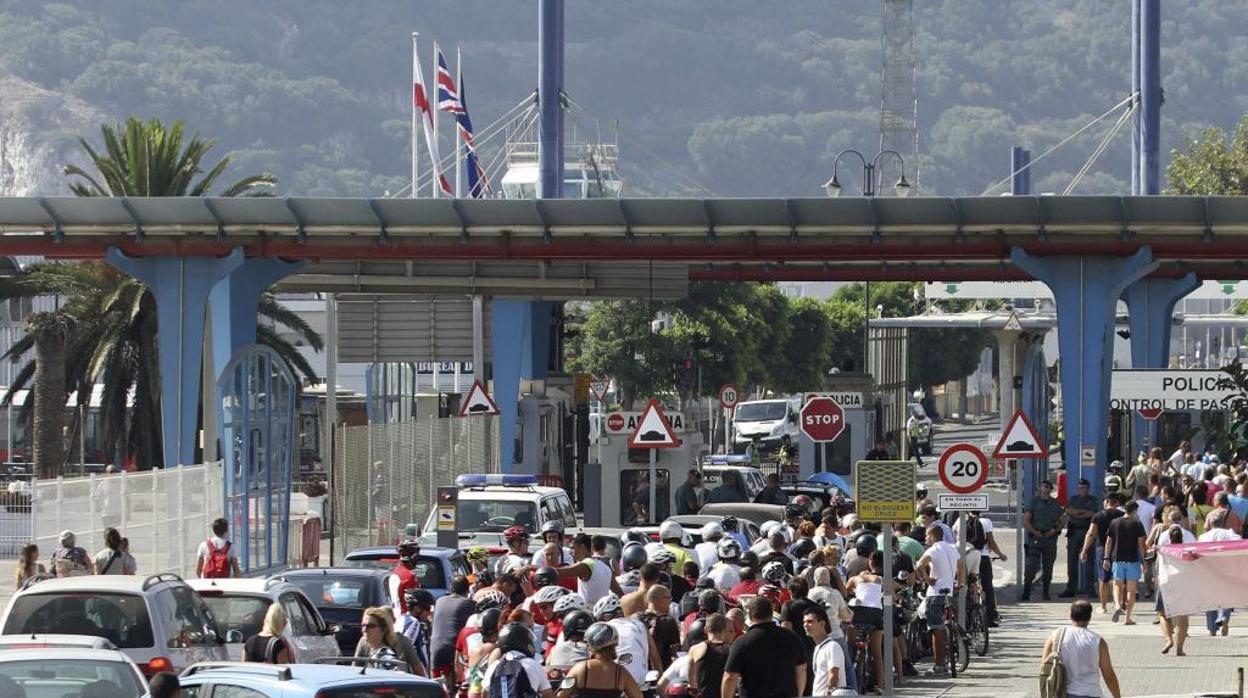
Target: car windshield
{"x": 492, "y": 516}
{"x": 390, "y": 689}
{"x": 69, "y": 678}
{"x": 120, "y": 618}
{"x": 760, "y": 411}
{"x": 329, "y": 591}
{"x": 242, "y": 613}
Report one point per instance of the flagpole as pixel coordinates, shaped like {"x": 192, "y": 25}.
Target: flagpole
{"x": 459, "y": 152}
{"x": 415, "y": 120}
{"x": 433, "y": 108}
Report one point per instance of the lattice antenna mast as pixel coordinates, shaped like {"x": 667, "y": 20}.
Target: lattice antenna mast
{"x": 899, "y": 105}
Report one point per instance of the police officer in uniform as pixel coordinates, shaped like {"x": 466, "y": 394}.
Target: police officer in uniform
{"x": 1082, "y": 506}
{"x": 1043, "y": 520}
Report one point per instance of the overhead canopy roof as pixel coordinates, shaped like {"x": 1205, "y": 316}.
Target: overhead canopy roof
{"x": 932, "y": 238}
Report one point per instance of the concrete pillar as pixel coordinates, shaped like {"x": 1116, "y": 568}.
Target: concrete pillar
{"x": 1007, "y": 368}
{"x": 520, "y": 348}
{"x": 1150, "y": 305}
{"x": 1086, "y": 289}
{"x": 180, "y": 286}
{"x": 236, "y": 303}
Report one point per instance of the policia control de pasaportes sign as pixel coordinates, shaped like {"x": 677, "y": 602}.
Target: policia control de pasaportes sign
{"x": 884, "y": 490}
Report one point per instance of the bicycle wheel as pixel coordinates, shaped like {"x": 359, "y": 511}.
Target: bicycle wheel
{"x": 979, "y": 630}
{"x": 951, "y": 651}
{"x": 963, "y": 644}
{"x": 862, "y": 662}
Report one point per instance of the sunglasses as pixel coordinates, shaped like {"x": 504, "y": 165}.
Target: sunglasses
{"x": 368, "y": 626}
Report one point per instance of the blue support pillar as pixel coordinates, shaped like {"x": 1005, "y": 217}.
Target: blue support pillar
{"x": 549, "y": 96}
{"x": 1020, "y": 180}
{"x": 181, "y": 286}
{"x": 520, "y": 348}
{"x": 1135, "y": 89}
{"x": 236, "y": 302}
{"x": 1150, "y": 97}
{"x": 1086, "y": 289}
{"x": 1150, "y": 303}
{"x": 1035, "y": 404}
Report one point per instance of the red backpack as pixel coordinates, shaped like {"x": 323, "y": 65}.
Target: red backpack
{"x": 217, "y": 564}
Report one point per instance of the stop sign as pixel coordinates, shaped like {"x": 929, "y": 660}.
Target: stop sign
{"x": 1150, "y": 413}
{"x": 615, "y": 421}
{"x": 822, "y": 419}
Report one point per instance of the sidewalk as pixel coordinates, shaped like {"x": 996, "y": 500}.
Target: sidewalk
{"x": 1011, "y": 668}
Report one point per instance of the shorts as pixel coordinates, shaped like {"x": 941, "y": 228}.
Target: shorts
{"x": 871, "y": 617}
{"x": 1127, "y": 572}
{"x": 935, "y": 614}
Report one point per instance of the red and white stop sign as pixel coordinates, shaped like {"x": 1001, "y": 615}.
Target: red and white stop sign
{"x": 1151, "y": 413}
{"x": 615, "y": 422}
{"x": 822, "y": 419}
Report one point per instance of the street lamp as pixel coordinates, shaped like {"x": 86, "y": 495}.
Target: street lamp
{"x": 901, "y": 188}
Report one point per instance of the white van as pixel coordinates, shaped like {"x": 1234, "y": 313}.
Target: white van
{"x": 767, "y": 422}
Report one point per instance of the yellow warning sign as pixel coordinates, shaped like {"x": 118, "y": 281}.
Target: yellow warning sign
{"x": 884, "y": 490}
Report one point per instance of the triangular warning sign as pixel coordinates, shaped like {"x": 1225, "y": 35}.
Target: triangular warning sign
{"x": 478, "y": 402}
{"x": 653, "y": 430}
{"x": 1013, "y": 323}
{"x": 1019, "y": 440}
{"x": 599, "y": 388}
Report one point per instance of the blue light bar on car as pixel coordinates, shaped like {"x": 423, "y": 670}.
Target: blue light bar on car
{"x": 484, "y": 480}
{"x": 720, "y": 459}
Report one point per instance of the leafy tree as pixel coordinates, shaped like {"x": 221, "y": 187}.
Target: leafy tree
{"x": 615, "y": 339}
{"x": 802, "y": 363}
{"x": 105, "y": 330}
{"x": 1212, "y": 164}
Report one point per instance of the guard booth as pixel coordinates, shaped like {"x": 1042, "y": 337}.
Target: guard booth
{"x": 618, "y": 481}
{"x": 855, "y": 393}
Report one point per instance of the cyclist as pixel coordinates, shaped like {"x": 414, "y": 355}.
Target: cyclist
{"x": 475, "y": 655}
{"x": 518, "y": 555}
{"x": 600, "y": 676}
{"x": 941, "y": 567}
{"x": 673, "y": 537}
{"x": 726, "y": 573}
{"x": 415, "y": 625}
{"x": 634, "y": 641}
{"x": 867, "y": 588}
{"x": 708, "y": 656}
{"x": 516, "y": 673}
{"x": 571, "y": 647}
{"x": 552, "y": 532}
{"x": 591, "y": 570}
{"x": 402, "y": 578}
{"x": 705, "y": 553}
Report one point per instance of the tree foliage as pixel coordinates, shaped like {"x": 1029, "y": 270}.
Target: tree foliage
{"x": 1213, "y": 164}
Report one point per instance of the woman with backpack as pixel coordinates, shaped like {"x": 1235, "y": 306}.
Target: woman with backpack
{"x": 268, "y": 647}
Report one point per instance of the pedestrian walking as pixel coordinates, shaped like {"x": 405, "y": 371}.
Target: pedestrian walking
{"x": 110, "y": 560}
{"x": 1043, "y": 520}
{"x": 1173, "y": 628}
{"x": 215, "y": 558}
{"x": 69, "y": 560}
{"x": 1219, "y": 521}
{"x": 1124, "y": 553}
{"x": 767, "y": 661}
{"x": 28, "y": 565}
{"x": 1084, "y": 654}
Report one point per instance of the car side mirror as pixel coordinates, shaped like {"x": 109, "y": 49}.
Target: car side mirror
{"x": 233, "y": 637}
{"x": 331, "y": 629}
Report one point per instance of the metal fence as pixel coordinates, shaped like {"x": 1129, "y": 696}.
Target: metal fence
{"x": 165, "y": 514}
{"x": 386, "y": 475}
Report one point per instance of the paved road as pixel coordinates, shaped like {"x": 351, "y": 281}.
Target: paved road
{"x": 1011, "y": 668}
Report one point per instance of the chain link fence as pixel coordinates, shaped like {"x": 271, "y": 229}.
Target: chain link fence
{"x": 386, "y": 475}
{"x": 165, "y": 514}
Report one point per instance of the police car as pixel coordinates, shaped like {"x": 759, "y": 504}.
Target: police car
{"x": 490, "y": 504}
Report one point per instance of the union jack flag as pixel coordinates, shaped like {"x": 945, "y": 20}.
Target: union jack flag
{"x": 448, "y": 97}
{"x": 454, "y": 101}
{"x": 421, "y": 100}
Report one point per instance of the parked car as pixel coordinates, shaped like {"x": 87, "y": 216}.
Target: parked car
{"x": 239, "y": 606}
{"x": 64, "y": 672}
{"x": 714, "y": 467}
{"x": 341, "y": 594}
{"x": 54, "y": 640}
{"x": 434, "y": 568}
{"x": 157, "y": 621}
{"x": 758, "y": 514}
{"x": 253, "y": 680}
{"x": 692, "y": 525}
{"x": 487, "y": 505}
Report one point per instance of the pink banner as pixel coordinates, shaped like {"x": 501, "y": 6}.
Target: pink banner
{"x": 1196, "y": 577}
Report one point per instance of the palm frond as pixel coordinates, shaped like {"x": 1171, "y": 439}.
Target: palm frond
{"x": 20, "y": 381}
{"x": 255, "y": 185}
{"x": 295, "y": 361}
{"x": 272, "y": 309}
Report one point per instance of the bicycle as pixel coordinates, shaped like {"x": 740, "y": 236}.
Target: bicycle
{"x": 976, "y": 616}
{"x": 957, "y": 647}
{"x": 864, "y": 667}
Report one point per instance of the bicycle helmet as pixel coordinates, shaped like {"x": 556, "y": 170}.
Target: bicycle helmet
{"x": 489, "y": 621}
{"x": 477, "y": 554}
{"x": 570, "y": 602}
{"x": 630, "y": 579}
{"x": 516, "y": 533}
{"x": 1116, "y": 466}
{"x": 550, "y": 594}
{"x": 774, "y": 572}
{"x": 729, "y": 523}
{"x": 552, "y": 526}
{"x": 516, "y": 637}
{"x": 709, "y": 601}
{"x": 768, "y": 527}
{"x": 419, "y": 598}
{"x": 408, "y": 550}
{"x": 632, "y": 557}
{"x": 545, "y": 577}
{"x": 728, "y": 549}
{"x": 920, "y": 489}
{"x": 608, "y": 607}
{"x": 803, "y": 548}
{"x": 663, "y": 557}
{"x": 795, "y": 511}
{"x": 805, "y": 502}
{"x": 866, "y": 545}
{"x": 600, "y": 636}
{"x": 712, "y": 532}
{"x": 669, "y": 530}
{"x": 575, "y": 623}
{"x": 491, "y": 598}
{"x": 770, "y": 591}
{"x": 749, "y": 558}
{"x": 634, "y": 535}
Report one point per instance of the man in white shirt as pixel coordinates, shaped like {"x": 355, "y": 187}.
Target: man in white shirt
{"x": 828, "y": 656}
{"x": 593, "y": 575}
{"x": 942, "y": 567}
{"x": 516, "y": 648}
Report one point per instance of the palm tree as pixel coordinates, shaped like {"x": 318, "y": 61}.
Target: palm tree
{"x": 110, "y": 317}
{"x": 49, "y": 332}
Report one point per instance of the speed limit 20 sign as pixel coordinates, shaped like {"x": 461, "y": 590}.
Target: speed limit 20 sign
{"x": 963, "y": 468}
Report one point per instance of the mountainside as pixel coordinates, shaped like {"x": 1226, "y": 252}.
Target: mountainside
{"x": 740, "y": 97}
